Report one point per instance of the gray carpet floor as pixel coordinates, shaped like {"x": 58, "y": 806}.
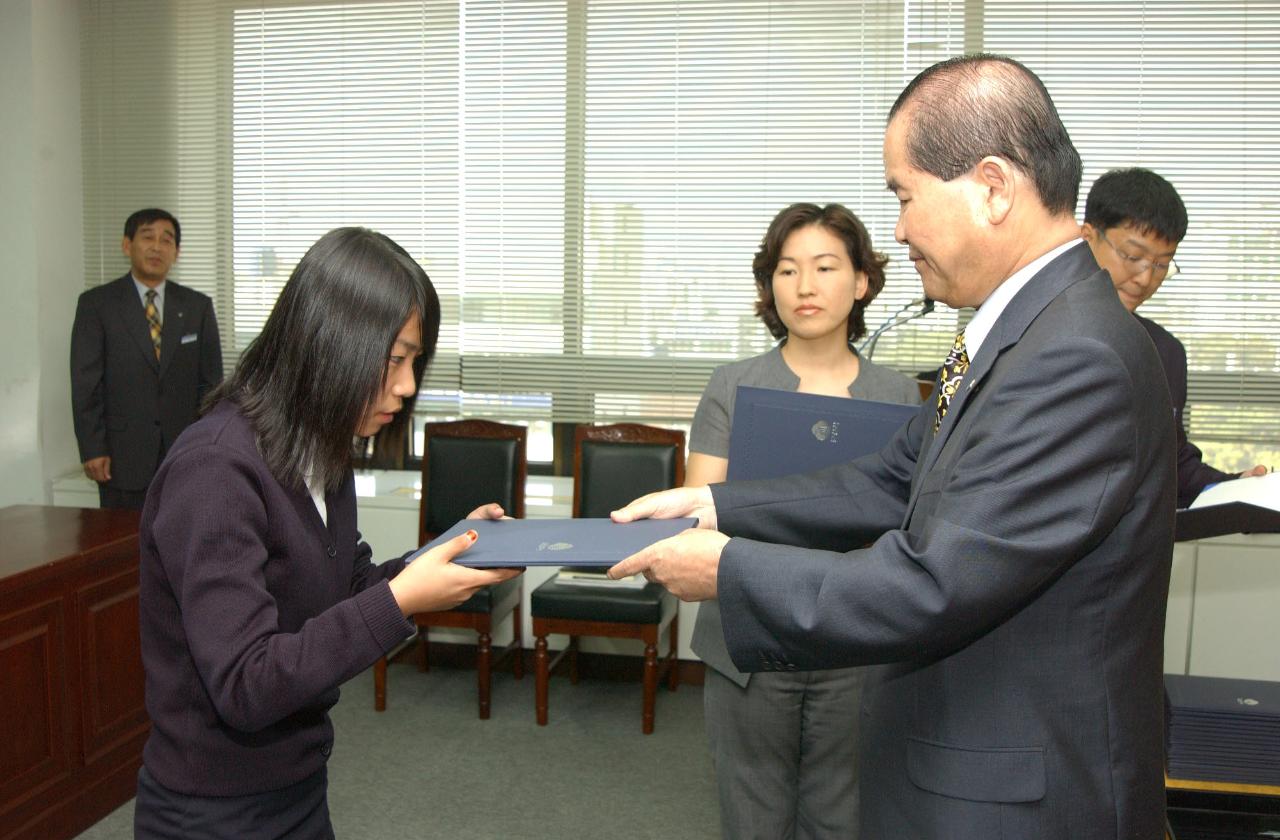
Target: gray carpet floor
{"x": 429, "y": 768}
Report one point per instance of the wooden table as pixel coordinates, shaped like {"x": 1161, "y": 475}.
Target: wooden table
{"x": 72, "y": 719}
{"x": 1205, "y": 808}
{"x": 1221, "y": 787}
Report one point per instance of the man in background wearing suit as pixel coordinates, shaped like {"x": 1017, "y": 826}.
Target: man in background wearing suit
{"x": 144, "y": 351}
{"x": 1133, "y": 222}
{"x": 1022, "y": 522}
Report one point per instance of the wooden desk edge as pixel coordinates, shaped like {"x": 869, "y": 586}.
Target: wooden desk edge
{"x": 1221, "y": 787}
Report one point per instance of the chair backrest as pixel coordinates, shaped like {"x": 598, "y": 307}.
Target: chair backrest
{"x": 614, "y": 464}
{"x": 467, "y": 463}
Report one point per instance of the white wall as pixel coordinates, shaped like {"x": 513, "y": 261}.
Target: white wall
{"x": 40, "y": 238}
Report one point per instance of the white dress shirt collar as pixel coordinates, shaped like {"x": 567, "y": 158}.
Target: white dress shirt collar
{"x": 143, "y": 288}
{"x": 989, "y": 312}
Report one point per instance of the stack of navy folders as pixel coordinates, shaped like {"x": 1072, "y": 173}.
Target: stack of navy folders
{"x": 777, "y": 433}
{"x": 1223, "y": 730}
{"x": 508, "y": 543}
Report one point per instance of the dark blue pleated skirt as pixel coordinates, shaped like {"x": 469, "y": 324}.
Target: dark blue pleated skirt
{"x": 298, "y": 812}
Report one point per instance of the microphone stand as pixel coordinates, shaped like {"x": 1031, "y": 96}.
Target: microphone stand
{"x": 897, "y": 319}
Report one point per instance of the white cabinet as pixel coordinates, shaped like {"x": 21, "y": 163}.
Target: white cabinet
{"x": 1177, "y": 627}
{"x": 1235, "y": 615}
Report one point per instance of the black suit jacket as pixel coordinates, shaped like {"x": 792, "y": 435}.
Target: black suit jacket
{"x": 1193, "y": 473}
{"x": 1016, "y": 590}
{"x": 125, "y": 403}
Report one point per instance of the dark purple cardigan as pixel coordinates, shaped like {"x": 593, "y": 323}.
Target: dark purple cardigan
{"x": 252, "y": 614}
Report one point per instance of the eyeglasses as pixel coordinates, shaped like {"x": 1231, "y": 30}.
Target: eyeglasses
{"x": 1138, "y": 265}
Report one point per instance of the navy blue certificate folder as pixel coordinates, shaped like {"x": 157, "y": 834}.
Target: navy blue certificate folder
{"x": 504, "y": 543}
{"x": 778, "y": 433}
{"x": 1223, "y": 730}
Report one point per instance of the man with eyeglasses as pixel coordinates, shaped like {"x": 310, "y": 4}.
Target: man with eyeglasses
{"x": 1133, "y": 222}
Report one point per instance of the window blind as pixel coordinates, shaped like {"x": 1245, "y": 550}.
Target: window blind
{"x": 1191, "y": 90}
{"x": 586, "y": 181}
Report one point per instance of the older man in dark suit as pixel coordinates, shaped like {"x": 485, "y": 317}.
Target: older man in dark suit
{"x": 144, "y": 352}
{"x": 1022, "y": 521}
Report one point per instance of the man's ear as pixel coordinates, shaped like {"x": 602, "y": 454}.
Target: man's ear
{"x": 126, "y": 246}
{"x": 1000, "y": 183}
{"x": 1088, "y": 232}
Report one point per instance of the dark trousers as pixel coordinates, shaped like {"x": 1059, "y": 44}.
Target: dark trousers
{"x": 297, "y": 812}
{"x": 110, "y": 497}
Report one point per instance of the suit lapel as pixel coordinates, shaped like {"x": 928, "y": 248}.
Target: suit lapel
{"x": 134, "y": 318}
{"x": 172, "y": 324}
{"x": 978, "y": 369}
{"x": 1065, "y": 270}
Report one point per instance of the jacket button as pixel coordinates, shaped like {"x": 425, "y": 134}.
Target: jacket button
{"x": 333, "y": 551}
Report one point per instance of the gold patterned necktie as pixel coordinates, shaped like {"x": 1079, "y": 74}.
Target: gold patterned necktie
{"x": 153, "y": 320}
{"x": 953, "y": 371}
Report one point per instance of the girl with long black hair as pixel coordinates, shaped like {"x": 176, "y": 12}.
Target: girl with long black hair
{"x": 258, "y": 595}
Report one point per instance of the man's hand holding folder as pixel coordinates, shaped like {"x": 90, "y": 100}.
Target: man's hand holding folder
{"x": 686, "y": 564}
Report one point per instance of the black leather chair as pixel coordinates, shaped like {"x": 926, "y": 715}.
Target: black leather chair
{"x": 465, "y": 464}
{"x": 611, "y": 466}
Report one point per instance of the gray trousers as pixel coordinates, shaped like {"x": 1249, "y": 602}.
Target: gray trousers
{"x": 785, "y": 753}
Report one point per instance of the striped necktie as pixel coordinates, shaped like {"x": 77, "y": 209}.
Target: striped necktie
{"x": 153, "y": 320}
{"x": 953, "y": 371}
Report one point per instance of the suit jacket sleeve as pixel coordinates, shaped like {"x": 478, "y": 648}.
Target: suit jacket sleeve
{"x": 210, "y": 353}
{"x": 1030, "y": 493}
{"x": 1193, "y": 473}
{"x": 88, "y": 363}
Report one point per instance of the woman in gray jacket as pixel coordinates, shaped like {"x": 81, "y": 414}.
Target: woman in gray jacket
{"x": 784, "y": 745}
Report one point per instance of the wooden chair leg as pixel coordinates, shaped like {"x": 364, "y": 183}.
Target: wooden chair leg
{"x": 573, "y": 660}
{"x": 484, "y": 664}
{"x": 424, "y": 654}
{"x": 380, "y": 685}
{"x": 540, "y": 680}
{"x": 517, "y": 667}
{"x": 673, "y": 659}
{"x": 650, "y": 687}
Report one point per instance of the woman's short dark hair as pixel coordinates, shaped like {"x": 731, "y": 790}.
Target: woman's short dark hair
{"x": 321, "y": 359}
{"x": 837, "y": 219}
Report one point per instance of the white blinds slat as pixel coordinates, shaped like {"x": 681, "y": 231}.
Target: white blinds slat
{"x": 586, "y": 181}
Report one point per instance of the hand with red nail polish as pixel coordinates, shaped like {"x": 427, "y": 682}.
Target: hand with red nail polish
{"x": 433, "y": 582}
